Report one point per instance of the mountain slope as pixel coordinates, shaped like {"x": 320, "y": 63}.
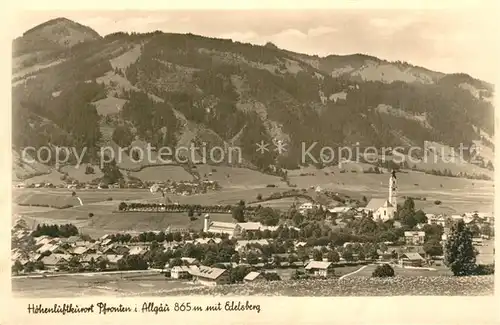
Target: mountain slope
{"x": 170, "y": 89}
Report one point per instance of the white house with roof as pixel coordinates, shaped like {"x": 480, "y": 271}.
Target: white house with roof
{"x": 414, "y": 237}
{"x": 254, "y": 277}
{"x": 210, "y": 276}
{"x": 180, "y": 272}
{"x": 319, "y": 268}
{"x": 306, "y": 206}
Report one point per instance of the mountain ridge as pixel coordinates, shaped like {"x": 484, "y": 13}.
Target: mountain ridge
{"x": 204, "y": 88}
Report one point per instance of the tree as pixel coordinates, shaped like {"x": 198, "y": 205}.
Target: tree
{"x": 420, "y": 217}
{"x": 474, "y": 230}
{"x": 103, "y": 264}
{"x": 259, "y": 197}
{"x": 317, "y": 255}
{"x": 347, "y": 255}
{"x": 252, "y": 258}
{"x": 175, "y": 262}
{"x": 487, "y": 230}
{"x": 433, "y": 247}
{"x": 122, "y": 206}
{"x": 333, "y": 256}
{"x": 382, "y": 271}
{"x": 460, "y": 255}
{"x": 238, "y": 213}
{"x": 17, "y": 267}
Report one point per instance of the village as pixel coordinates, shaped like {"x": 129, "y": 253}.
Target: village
{"x": 249, "y": 251}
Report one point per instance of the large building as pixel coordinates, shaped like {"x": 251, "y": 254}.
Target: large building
{"x": 210, "y": 276}
{"x": 385, "y": 209}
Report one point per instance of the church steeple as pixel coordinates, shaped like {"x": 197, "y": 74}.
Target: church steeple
{"x": 393, "y": 188}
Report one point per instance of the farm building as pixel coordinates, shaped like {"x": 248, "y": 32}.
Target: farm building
{"x": 56, "y": 261}
{"x": 411, "y": 259}
{"x": 210, "y": 276}
{"x": 113, "y": 260}
{"x": 254, "y": 277}
{"x": 318, "y": 268}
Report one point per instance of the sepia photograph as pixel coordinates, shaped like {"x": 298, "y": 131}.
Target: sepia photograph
{"x": 295, "y": 153}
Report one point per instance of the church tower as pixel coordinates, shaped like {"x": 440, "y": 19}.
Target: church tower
{"x": 393, "y": 189}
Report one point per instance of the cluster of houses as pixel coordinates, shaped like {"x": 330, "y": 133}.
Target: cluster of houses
{"x": 179, "y": 188}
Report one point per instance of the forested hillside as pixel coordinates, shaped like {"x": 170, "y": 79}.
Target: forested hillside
{"x": 167, "y": 89}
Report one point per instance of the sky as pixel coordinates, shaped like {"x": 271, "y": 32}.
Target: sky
{"x": 442, "y": 40}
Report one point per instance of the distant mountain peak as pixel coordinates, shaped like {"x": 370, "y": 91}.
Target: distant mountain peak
{"x": 271, "y": 45}
{"x": 58, "y": 32}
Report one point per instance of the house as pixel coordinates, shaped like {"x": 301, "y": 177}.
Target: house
{"x": 72, "y": 240}
{"x": 250, "y": 226}
{"x": 254, "y": 277}
{"x": 210, "y": 276}
{"x": 180, "y": 272}
{"x": 317, "y": 268}
{"x": 241, "y": 245}
{"x": 304, "y": 207}
{"x": 337, "y": 211}
{"x": 80, "y": 251}
{"x": 113, "y": 260}
{"x": 381, "y": 209}
{"x": 56, "y": 261}
{"x": 411, "y": 259}
{"x": 52, "y": 248}
{"x": 300, "y": 244}
{"x": 85, "y": 260}
{"x": 138, "y": 250}
{"x": 414, "y": 237}
{"x": 204, "y": 241}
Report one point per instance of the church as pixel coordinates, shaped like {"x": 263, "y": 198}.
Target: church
{"x": 385, "y": 209}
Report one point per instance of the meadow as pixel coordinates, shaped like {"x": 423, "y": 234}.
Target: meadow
{"x": 156, "y": 285}
{"x": 457, "y": 195}
{"x": 96, "y": 284}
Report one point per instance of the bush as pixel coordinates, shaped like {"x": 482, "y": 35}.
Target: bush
{"x": 109, "y": 199}
{"x": 259, "y": 197}
{"x": 270, "y": 185}
{"x": 485, "y": 269}
{"x": 383, "y": 271}
{"x": 437, "y": 202}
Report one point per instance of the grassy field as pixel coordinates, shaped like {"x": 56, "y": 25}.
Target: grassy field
{"x": 397, "y": 286}
{"x": 163, "y": 173}
{"x": 96, "y": 285}
{"x": 238, "y": 178}
{"x": 456, "y": 195}
{"x": 157, "y": 285}
{"x": 79, "y": 173}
